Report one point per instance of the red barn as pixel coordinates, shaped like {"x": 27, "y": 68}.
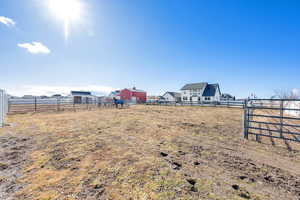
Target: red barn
{"x": 134, "y": 95}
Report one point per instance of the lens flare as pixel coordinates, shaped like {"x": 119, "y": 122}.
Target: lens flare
{"x": 66, "y": 10}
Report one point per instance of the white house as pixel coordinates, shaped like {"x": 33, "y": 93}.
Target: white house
{"x": 172, "y": 96}
{"x": 200, "y": 92}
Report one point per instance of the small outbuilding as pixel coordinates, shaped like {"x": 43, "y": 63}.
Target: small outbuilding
{"x": 82, "y": 97}
{"x": 132, "y": 95}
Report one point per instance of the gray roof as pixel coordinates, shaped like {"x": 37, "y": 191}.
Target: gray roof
{"x": 174, "y": 94}
{"x": 79, "y": 93}
{"x": 211, "y": 90}
{"x": 193, "y": 86}
{"x": 225, "y": 95}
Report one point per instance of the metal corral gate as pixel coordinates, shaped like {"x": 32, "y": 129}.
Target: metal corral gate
{"x": 273, "y": 118}
{"x": 3, "y": 107}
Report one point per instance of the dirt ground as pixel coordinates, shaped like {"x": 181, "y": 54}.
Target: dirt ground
{"x": 141, "y": 153}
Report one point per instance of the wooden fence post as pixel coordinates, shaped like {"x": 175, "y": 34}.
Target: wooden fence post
{"x": 8, "y": 105}
{"x": 35, "y": 104}
{"x": 57, "y": 103}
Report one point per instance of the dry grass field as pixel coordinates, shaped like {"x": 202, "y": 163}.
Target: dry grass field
{"x": 143, "y": 153}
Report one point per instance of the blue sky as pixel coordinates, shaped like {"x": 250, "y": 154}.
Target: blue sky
{"x": 156, "y": 45}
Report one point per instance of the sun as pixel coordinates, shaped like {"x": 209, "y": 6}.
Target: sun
{"x": 66, "y": 10}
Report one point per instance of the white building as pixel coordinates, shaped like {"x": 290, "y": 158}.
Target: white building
{"x": 200, "y": 92}
{"x": 83, "y": 97}
{"x": 292, "y": 105}
{"x": 115, "y": 94}
{"x": 172, "y": 96}
{"x": 3, "y": 107}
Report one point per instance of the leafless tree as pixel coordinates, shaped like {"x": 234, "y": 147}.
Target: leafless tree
{"x": 286, "y": 94}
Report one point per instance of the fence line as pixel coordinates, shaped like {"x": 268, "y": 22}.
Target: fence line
{"x": 3, "y": 107}
{"x": 231, "y": 104}
{"x": 19, "y": 105}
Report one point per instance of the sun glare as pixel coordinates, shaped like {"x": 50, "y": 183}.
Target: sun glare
{"x": 66, "y": 10}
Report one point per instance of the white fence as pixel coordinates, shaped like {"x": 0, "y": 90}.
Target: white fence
{"x": 3, "y": 107}
{"x": 236, "y": 103}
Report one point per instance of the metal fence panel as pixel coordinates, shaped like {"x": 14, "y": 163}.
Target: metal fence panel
{"x": 272, "y": 118}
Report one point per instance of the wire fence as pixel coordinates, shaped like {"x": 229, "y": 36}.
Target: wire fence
{"x": 21, "y": 105}
{"x": 3, "y": 107}
{"x": 263, "y": 118}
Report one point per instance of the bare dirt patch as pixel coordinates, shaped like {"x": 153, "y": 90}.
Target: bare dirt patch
{"x": 13, "y": 154}
{"x": 143, "y": 152}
